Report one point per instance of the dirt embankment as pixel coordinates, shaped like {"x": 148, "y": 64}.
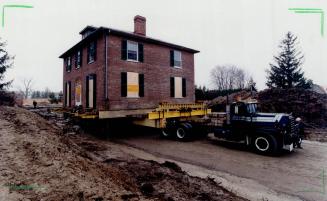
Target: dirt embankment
{"x": 309, "y": 105}
{"x": 40, "y": 162}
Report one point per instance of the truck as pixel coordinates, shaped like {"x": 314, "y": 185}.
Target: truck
{"x": 266, "y": 133}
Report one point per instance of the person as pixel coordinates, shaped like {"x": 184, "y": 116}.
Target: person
{"x": 34, "y": 104}
{"x": 301, "y": 132}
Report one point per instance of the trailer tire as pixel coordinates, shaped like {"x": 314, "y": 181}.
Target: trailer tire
{"x": 166, "y": 133}
{"x": 184, "y": 132}
{"x": 265, "y": 144}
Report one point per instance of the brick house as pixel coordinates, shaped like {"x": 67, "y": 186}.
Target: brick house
{"x": 112, "y": 70}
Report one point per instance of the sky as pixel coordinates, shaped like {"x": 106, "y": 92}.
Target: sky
{"x": 245, "y": 33}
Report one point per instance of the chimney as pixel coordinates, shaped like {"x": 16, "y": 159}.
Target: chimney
{"x": 139, "y": 25}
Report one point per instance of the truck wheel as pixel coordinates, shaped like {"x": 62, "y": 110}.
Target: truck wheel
{"x": 183, "y": 131}
{"x": 265, "y": 144}
{"x": 166, "y": 133}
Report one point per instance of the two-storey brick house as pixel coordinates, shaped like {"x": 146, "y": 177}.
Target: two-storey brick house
{"x": 112, "y": 70}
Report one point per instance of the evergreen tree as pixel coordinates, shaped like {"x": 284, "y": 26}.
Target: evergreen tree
{"x": 5, "y": 63}
{"x": 286, "y": 70}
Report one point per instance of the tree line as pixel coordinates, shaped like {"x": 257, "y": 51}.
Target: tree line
{"x": 285, "y": 72}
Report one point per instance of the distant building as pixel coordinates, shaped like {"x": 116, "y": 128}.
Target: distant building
{"x": 111, "y": 69}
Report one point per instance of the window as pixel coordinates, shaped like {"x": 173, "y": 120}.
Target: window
{"x": 175, "y": 59}
{"x": 91, "y": 91}
{"x": 78, "y": 59}
{"x": 91, "y": 52}
{"x": 78, "y": 92}
{"x": 177, "y": 87}
{"x": 131, "y": 51}
{"x": 68, "y": 64}
{"x": 132, "y": 85}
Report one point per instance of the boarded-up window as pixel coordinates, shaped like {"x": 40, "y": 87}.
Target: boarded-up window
{"x": 91, "y": 91}
{"x": 78, "y": 92}
{"x": 177, "y": 87}
{"x": 132, "y": 85}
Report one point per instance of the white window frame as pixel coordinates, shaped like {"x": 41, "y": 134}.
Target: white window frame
{"x": 137, "y": 51}
{"x": 180, "y": 53}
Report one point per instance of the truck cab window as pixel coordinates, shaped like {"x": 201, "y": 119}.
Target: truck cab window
{"x": 251, "y": 108}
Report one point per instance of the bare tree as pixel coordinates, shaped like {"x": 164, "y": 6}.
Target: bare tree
{"x": 27, "y": 87}
{"x": 228, "y": 77}
{"x": 251, "y": 84}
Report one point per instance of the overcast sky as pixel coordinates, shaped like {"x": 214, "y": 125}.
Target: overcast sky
{"x": 245, "y": 33}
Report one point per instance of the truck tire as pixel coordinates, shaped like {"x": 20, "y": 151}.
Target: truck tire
{"x": 184, "y": 131}
{"x": 265, "y": 144}
{"x": 166, "y": 133}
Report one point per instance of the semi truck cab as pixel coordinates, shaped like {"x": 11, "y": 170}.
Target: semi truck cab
{"x": 265, "y": 132}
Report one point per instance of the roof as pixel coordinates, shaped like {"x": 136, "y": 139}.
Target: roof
{"x": 88, "y": 28}
{"x": 126, "y": 34}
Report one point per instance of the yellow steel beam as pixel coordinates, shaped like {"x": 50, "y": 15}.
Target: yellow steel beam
{"x": 175, "y": 114}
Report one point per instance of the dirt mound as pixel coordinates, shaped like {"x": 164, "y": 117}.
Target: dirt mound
{"x": 40, "y": 162}
{"x": 309, "y": 105}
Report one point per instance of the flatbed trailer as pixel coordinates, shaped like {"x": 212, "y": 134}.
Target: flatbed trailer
{"x": 183, "y": 118}
{"x": 265, "y": 132}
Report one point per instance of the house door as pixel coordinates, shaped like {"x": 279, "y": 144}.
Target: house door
{"x": 91, "y": 91}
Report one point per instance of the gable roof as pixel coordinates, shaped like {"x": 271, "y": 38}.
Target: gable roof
{"x": 129, "y": 35}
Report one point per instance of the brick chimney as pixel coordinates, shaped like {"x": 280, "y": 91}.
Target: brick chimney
{"x": 140, "y": 25}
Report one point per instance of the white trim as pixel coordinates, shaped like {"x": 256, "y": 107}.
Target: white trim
{"x": 132, "y": 60}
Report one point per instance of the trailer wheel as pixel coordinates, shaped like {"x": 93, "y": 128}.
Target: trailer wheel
{"x": 183, "y": 131}
{"x": 265, "y": 144}
{"x": 166, "y": 133}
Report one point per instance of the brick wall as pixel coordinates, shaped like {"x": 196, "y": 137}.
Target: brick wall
{"x": 97, "y": 67}
{"x": 157, "y": 72}
{"x": 156, "y": 69}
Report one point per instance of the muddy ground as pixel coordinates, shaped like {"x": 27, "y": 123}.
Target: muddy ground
{"x": 316, "y": 134}
{"x": 38, "y": 161}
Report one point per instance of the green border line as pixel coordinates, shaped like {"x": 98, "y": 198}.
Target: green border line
{"x": 11, "y": 6}
{"x": 312, "y": 11}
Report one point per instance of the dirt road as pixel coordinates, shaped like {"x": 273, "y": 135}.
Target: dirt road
{"x": 292, "y": 176}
